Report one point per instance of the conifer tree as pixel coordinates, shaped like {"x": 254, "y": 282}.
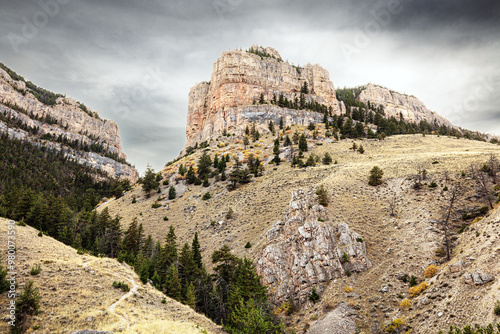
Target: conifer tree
{"x": 173, "y": 283}
{"x": 191, "y": 176}
{"x": 276, "y": 151}
{"x": 171, "y": 192}
{"x": 204, "y": 166}
{"x": 195, "y": 246}
{"x": 190, "y": 299}
{"x": 303, "y": 143}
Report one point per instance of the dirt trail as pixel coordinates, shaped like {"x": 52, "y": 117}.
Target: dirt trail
{"x": 112, "y": 308}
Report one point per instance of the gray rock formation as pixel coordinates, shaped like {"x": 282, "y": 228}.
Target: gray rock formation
{"x": 478, "y": 278}
{"x": 339, "y": 321}
{"x": 396, "y": 104}
{"x": 69, "y": 121}
{"x": 303, "y": 252}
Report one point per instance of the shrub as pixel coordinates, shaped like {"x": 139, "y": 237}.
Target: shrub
{"x": 314, "y": 297}
{"x": 348, "y": 289}
{"x": 359, "y": 239}
{"x": 230, "y": 213}
{"x": 21, "y": 223}
{"x": 206, "y": 196}
{"x": 413, "y": 281}
{"x": 327, "y": 159}
{"x": 286, "y": 308}
{"x": 433, "y": 185}
{"x": 348, "y": 273}
{"x": 496, "y": 309}
{"x": 165, "y": 218}
{"x": 165, "y": 182}
{"x": 155, "y": 205}
{"x": 345, "y": 257}
{"x": 248, "y": 245}
{"x": 431, "y": 271}
{"x": 134, "y": 200}
{"x": 35, "y": 270}
{"x": 163, "y": 301}
{"x": 394, "y": 325}
{"x": 322, "y": 195}
{"x": 40, "y": 234}
{"x": 418, "y": 289}
{"x": 405, "y": 304}
{"x": 375, "y": 177}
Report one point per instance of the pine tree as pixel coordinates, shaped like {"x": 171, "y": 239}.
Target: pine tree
{"x": 354, "y": 147}
{"x": 171, "y": 192}
{"x": 303, "y": 143}
{"x": 204, "y": 166}
{"x": 271, "y": 126}
{"x": 195, "y": 246}
{"x": 191, "y": 176}
{"x": 150, "y": 181}
{"x": 327, "y": 159}
{"x": 168, "y": 254}
{"x": 28, "y": 304}
{"x": 361, "y": 149}
{"x": 287, "y": 141}
{"x": 375, "y": 177}
{"x": 206, "y": 183}
{"x": 190, "y": 299}
{"x": 187, "y": 268}
{"x": 216, "y": 161}
{"x": 173, "y": 283}
{"x": 281, "y": 123}
{"x": 276, "y": 151}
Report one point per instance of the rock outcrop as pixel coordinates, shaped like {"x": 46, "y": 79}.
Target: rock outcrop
{"x": 68, "y": 121}
{"x": 303, "y": 251}
{"x": 396, "y": 104}
{"x": 239, "y": 79}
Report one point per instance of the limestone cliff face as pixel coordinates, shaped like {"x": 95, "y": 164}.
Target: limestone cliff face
{"x": 303, "y": 252}
{"x": 238, "y": 80}
{"x": 69, "y": 121}
{"x": 394, "y": 103}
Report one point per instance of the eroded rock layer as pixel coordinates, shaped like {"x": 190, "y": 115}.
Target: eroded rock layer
{"x": 64, "y": 126}
{"x": 305, "y": 251}
{"x": 238, "y": 80}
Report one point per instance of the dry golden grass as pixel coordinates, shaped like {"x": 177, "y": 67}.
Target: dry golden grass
{"x": 76, "y": 291}
{"x": 404, "y": 243}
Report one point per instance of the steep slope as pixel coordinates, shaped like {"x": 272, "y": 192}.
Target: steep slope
{"x": 76, "y": 292}
{"x": 52, "y": 120}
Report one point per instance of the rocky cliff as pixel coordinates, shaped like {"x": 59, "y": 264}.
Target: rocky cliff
{"x": 305, "y": 251}
{"x": 396, "y": 104}
{"x": 63, "y": 124}
{"x": 239, "y": 79}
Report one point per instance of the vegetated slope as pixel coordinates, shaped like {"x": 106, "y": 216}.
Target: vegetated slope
{"x": 402, "y": 244}
{"x": 76, "y": 292}
{"x": 51, "y": 120}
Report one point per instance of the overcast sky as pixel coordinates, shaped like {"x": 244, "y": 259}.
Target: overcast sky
{"x": 134, "y": 61}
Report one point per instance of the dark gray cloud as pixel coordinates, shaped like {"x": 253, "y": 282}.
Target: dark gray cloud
{"x": 135, "y": 61}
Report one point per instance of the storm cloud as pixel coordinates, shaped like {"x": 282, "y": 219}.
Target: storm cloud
{"x": 135, "y": 61}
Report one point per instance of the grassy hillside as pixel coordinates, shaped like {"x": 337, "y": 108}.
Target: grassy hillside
{"x": 405, "y": 243}
{"x": 76, "y": 292}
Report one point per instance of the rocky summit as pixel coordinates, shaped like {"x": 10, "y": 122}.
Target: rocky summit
{"x": 240, "y": 79}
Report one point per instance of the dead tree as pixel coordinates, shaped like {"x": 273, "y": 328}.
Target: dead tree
{"x": 394, "y": 197}
{"x": 446, "y": 223}
{"x": 482, "y": 181}
{"x": 493, "y": 164}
